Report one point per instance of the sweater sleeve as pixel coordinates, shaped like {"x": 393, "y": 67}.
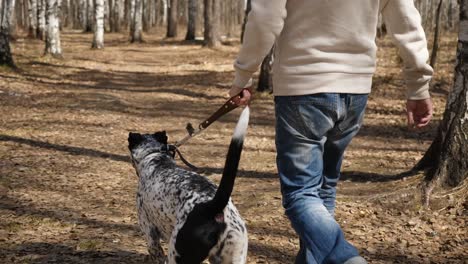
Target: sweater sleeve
{"x": 264, "y": 24}
{"x": 404, "y": 24}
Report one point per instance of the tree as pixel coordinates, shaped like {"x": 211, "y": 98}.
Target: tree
{"x": 52, "y": 43}
{"x": 248, "y": 7}
{"x": 98, "y": 40}
{"x": 265, "y": 80}
{"x": 5, "y": 52}
{"x": 211, "y": 14}
{"x": 136, "y": 23}
{"x": 192, "y": 20}
{"x": 41, "y": 19}
{"x": 435, "y": 46}
{"x": 447, "y": 157}
{"x": 89, "y": 15}
{"x": 32, "y": 12}
{"x": 172, "y": 19}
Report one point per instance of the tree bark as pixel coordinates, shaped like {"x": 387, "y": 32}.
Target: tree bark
{"x": 32, "y": 11}
{"x": 211, "y": 14}
{"x": 5, "y": 52}
{"x": 447, "y": 158}
{"x": 435, "y": 46}
{"x": 41, "y": 20}
{"x": 136, "y": 21}
{"x": 98, "y": 40}
{"x": 172, "y": 19}
{"x": 265, "y": 80}
{"x": 192, "y": 20}
{"x": 89, "y": 16}
{"x": 248, "y": 7}
{"x": 52, "y": 43}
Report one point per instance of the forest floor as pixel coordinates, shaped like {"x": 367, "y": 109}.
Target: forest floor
{"x": 67, "y": 189}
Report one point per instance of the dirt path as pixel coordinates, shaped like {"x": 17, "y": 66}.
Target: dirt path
{"x": 67, "y": 188}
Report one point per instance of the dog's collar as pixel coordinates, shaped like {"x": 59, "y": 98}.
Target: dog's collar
{"x": 172, "y": 150}
{"x": 168, "y": 149}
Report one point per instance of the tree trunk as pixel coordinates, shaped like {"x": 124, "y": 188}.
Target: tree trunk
{"x": 435, "y": 46}
{"x": 12, "y": 17}
{"x": 211, "y": 13}
{"x": 89, "y": 16}
{"x": 447, "y": 158}
{"x": 83, "y": 7}
{"x": 172, "y": 19}
{"x": 165, "y": 7}
{"x": 98, "y": 41}
{"x": 41, "y": 20}
{"x": 5, "y": 52}
{"x": 265, "y": 80}
{"x": 248, "y": 7}
{"x": 192, "y": 20}
{"x": 32, "y": 10}
{"x": 136, "y": 21}
{"x": 52, "y": 43}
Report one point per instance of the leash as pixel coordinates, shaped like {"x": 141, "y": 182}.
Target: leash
{"x": 227, "y": 107}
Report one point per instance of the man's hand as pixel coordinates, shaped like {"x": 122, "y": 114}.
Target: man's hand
{"x": 244, "y": 97}
{"x": 419, "y": 113}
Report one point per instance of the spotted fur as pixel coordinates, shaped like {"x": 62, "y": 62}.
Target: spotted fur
{"x": 185, "y": 209}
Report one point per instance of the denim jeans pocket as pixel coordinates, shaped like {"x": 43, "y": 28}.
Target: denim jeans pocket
{"x": 354, "y": 112}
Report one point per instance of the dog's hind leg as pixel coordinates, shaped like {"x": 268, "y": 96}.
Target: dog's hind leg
{"x": 235, "y": 248}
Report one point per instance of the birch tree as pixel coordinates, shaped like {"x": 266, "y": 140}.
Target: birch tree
{"x": 52, "y": 43}
{"x": 98, "y": 40}
{"x": 32, "y": 13}
{"x": 136, "y": 23}
{"x": 41, "y": 19}
{"x": 172, "y": 19}
{"x": 5, "y": 17}
{"x": 192, "y": 20}
{"x": 211, "y": 14}
{"x": 447, "y": 157}
{"x": 89, "y": 16}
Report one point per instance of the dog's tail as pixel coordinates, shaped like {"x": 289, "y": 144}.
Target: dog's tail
{"x": 226, "y": 185}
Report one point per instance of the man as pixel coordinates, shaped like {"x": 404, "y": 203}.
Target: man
{"x": 324, "y": 61}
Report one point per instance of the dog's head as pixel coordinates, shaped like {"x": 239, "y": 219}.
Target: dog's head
{"x": 141, "y": 145}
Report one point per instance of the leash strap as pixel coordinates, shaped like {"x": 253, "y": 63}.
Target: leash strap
{"x": 226, "y": 108}
{"x": 190, "y": 165}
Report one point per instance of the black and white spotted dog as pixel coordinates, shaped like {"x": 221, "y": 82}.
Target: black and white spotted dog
{"x": 185, "y": 209}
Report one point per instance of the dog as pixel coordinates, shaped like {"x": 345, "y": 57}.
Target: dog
{"x": 184, "y": 208}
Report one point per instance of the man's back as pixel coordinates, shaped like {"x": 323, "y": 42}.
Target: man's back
{"x": 329, "y": 45}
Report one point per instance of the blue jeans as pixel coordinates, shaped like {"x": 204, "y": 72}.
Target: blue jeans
{"x": 312, "y": 133}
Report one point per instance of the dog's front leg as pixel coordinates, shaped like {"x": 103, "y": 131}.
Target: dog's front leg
{"x": 172, "y": 253}
{"x": 153, "y": 238}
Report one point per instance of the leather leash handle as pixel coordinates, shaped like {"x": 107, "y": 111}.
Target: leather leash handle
{"x": 226, "y": 108}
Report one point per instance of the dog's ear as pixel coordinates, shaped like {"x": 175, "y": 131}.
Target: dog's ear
{"x": 161, "y": 137}
{"x": 134, "y": 139}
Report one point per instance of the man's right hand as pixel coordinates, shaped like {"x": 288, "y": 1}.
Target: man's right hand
{"x": 244, "y": 97}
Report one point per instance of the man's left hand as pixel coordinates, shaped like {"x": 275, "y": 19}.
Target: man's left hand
{"x": 419, "y": 112}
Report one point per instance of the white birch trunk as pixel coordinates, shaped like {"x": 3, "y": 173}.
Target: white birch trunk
{"x": 32, "y": 12}
{"x": 83, "y": 7}
{"x": 5, "y": 18}
{"x": 165, "y": 8}
{"x": 41, "y": 21}
{"x": 53, "y": 46}
{"x": 98, "y": 41}
{"x": 89, "y": 16}
{"x": 136, "y": 23}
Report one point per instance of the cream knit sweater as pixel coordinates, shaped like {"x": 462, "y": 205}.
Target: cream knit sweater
{"x": 329, "y": 45}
